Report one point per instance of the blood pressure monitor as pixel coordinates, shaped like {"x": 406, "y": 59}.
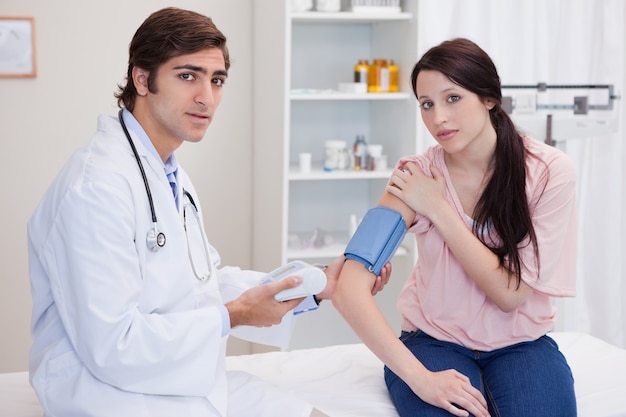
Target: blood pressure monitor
{"x": 313, "y": 282}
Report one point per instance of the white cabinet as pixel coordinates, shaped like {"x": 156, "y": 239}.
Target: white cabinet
{"x": 299, "y": 61}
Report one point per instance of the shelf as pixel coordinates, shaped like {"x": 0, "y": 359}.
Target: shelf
{"x": 318, "y": 174}
{"x": 348, "y": 17}
{"x": 328, "y": 251}
{"x": 330, "y": 95}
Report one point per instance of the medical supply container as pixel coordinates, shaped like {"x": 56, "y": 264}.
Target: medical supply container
{"x": 361, "y": 71}
{"x": 378, "y": 77}
{"x": 360, "y": 153}
{"x": 393, "y": 77}
{"x": 336, "y": 155}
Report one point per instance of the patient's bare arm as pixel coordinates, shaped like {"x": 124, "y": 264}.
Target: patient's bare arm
{"x": 354, "y": 301}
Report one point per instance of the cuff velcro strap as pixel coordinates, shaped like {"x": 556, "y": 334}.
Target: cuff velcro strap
{"x": 376, "y": 239}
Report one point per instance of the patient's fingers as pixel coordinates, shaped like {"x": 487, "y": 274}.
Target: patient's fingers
{"x": 452, "y": 391}
{"x": 468, "y": 402}
{"x": 382, "y": 279}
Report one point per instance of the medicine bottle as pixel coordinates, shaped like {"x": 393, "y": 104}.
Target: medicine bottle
{"x": 378, "y": 77}
{"x": 360, "y": 153}
{"x": 393, "y": 77}
{"x": 361, "y": 71}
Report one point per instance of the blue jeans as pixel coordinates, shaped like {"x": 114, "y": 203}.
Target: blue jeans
{"x": 529, "y": 379}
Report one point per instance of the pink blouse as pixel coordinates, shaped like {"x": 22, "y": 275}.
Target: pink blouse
{"x": 441, "y": 300}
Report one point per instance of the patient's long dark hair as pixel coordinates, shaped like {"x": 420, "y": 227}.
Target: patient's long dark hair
{"x": 503, "y": 204}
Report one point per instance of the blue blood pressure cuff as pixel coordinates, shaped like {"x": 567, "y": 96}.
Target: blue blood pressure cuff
{"x": 376, "y": 239}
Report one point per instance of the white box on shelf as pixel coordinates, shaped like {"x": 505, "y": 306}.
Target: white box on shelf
{"x": 353, "y": 88}
{"x": 376, "y": 6}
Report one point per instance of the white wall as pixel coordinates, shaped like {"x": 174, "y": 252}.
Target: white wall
{"x": 82, "y": 52}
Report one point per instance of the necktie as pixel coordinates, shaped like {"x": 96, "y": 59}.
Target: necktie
{"x": 172, "y": 179}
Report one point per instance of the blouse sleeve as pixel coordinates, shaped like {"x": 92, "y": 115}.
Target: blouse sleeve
{"x": 551, "y": 189}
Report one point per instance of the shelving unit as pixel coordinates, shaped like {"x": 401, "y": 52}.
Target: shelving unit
{"x": 348, "y": 17}
{"x": 297, "y": 69}
{"x": 334, "y": 95}
{"x": 318, "y": 174}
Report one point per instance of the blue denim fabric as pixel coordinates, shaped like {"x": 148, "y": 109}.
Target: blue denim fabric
{"x": 529, "y": 379}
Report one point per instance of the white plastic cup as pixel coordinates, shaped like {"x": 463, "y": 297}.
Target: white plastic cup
{"x": 305, "y": 162}
{"x": 301, "y": 5}
{"x": 328, "y": 5}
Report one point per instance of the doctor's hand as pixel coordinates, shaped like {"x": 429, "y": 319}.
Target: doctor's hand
{"x": 333, "y": 270}
{"x": 258, "y": 307}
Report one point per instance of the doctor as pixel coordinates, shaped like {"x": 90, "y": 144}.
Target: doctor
{"x": 130, "y": 316}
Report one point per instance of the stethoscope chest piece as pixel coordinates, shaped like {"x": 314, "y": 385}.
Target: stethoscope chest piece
{"x": 155, "y": 239}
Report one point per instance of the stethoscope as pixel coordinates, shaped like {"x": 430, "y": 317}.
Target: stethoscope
{"x": 155, "y": 239}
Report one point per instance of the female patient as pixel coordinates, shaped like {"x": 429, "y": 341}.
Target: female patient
{"x": 493, "y": 213}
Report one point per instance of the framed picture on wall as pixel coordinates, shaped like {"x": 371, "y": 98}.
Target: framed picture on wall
{"x": 17, "y": 47}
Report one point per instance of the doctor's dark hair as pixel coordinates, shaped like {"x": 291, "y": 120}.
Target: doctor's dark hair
{"x": 165, "y": 34}
{"x": 503, "y": 204}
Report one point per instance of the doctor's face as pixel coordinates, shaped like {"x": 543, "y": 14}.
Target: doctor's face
{"x": 186, "y": 93}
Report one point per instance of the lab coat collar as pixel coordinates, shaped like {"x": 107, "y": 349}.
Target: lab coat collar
{"x": 171, "y": 165}
{"x": 148, "y": 152}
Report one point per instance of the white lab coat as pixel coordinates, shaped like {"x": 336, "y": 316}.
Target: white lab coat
{"x": 119, "y": 330}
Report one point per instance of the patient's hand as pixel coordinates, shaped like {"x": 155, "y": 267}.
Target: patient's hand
{"x": 382, "y": 279}
{"x": 422, "y": 193}
{"x": 451, "y": 391}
